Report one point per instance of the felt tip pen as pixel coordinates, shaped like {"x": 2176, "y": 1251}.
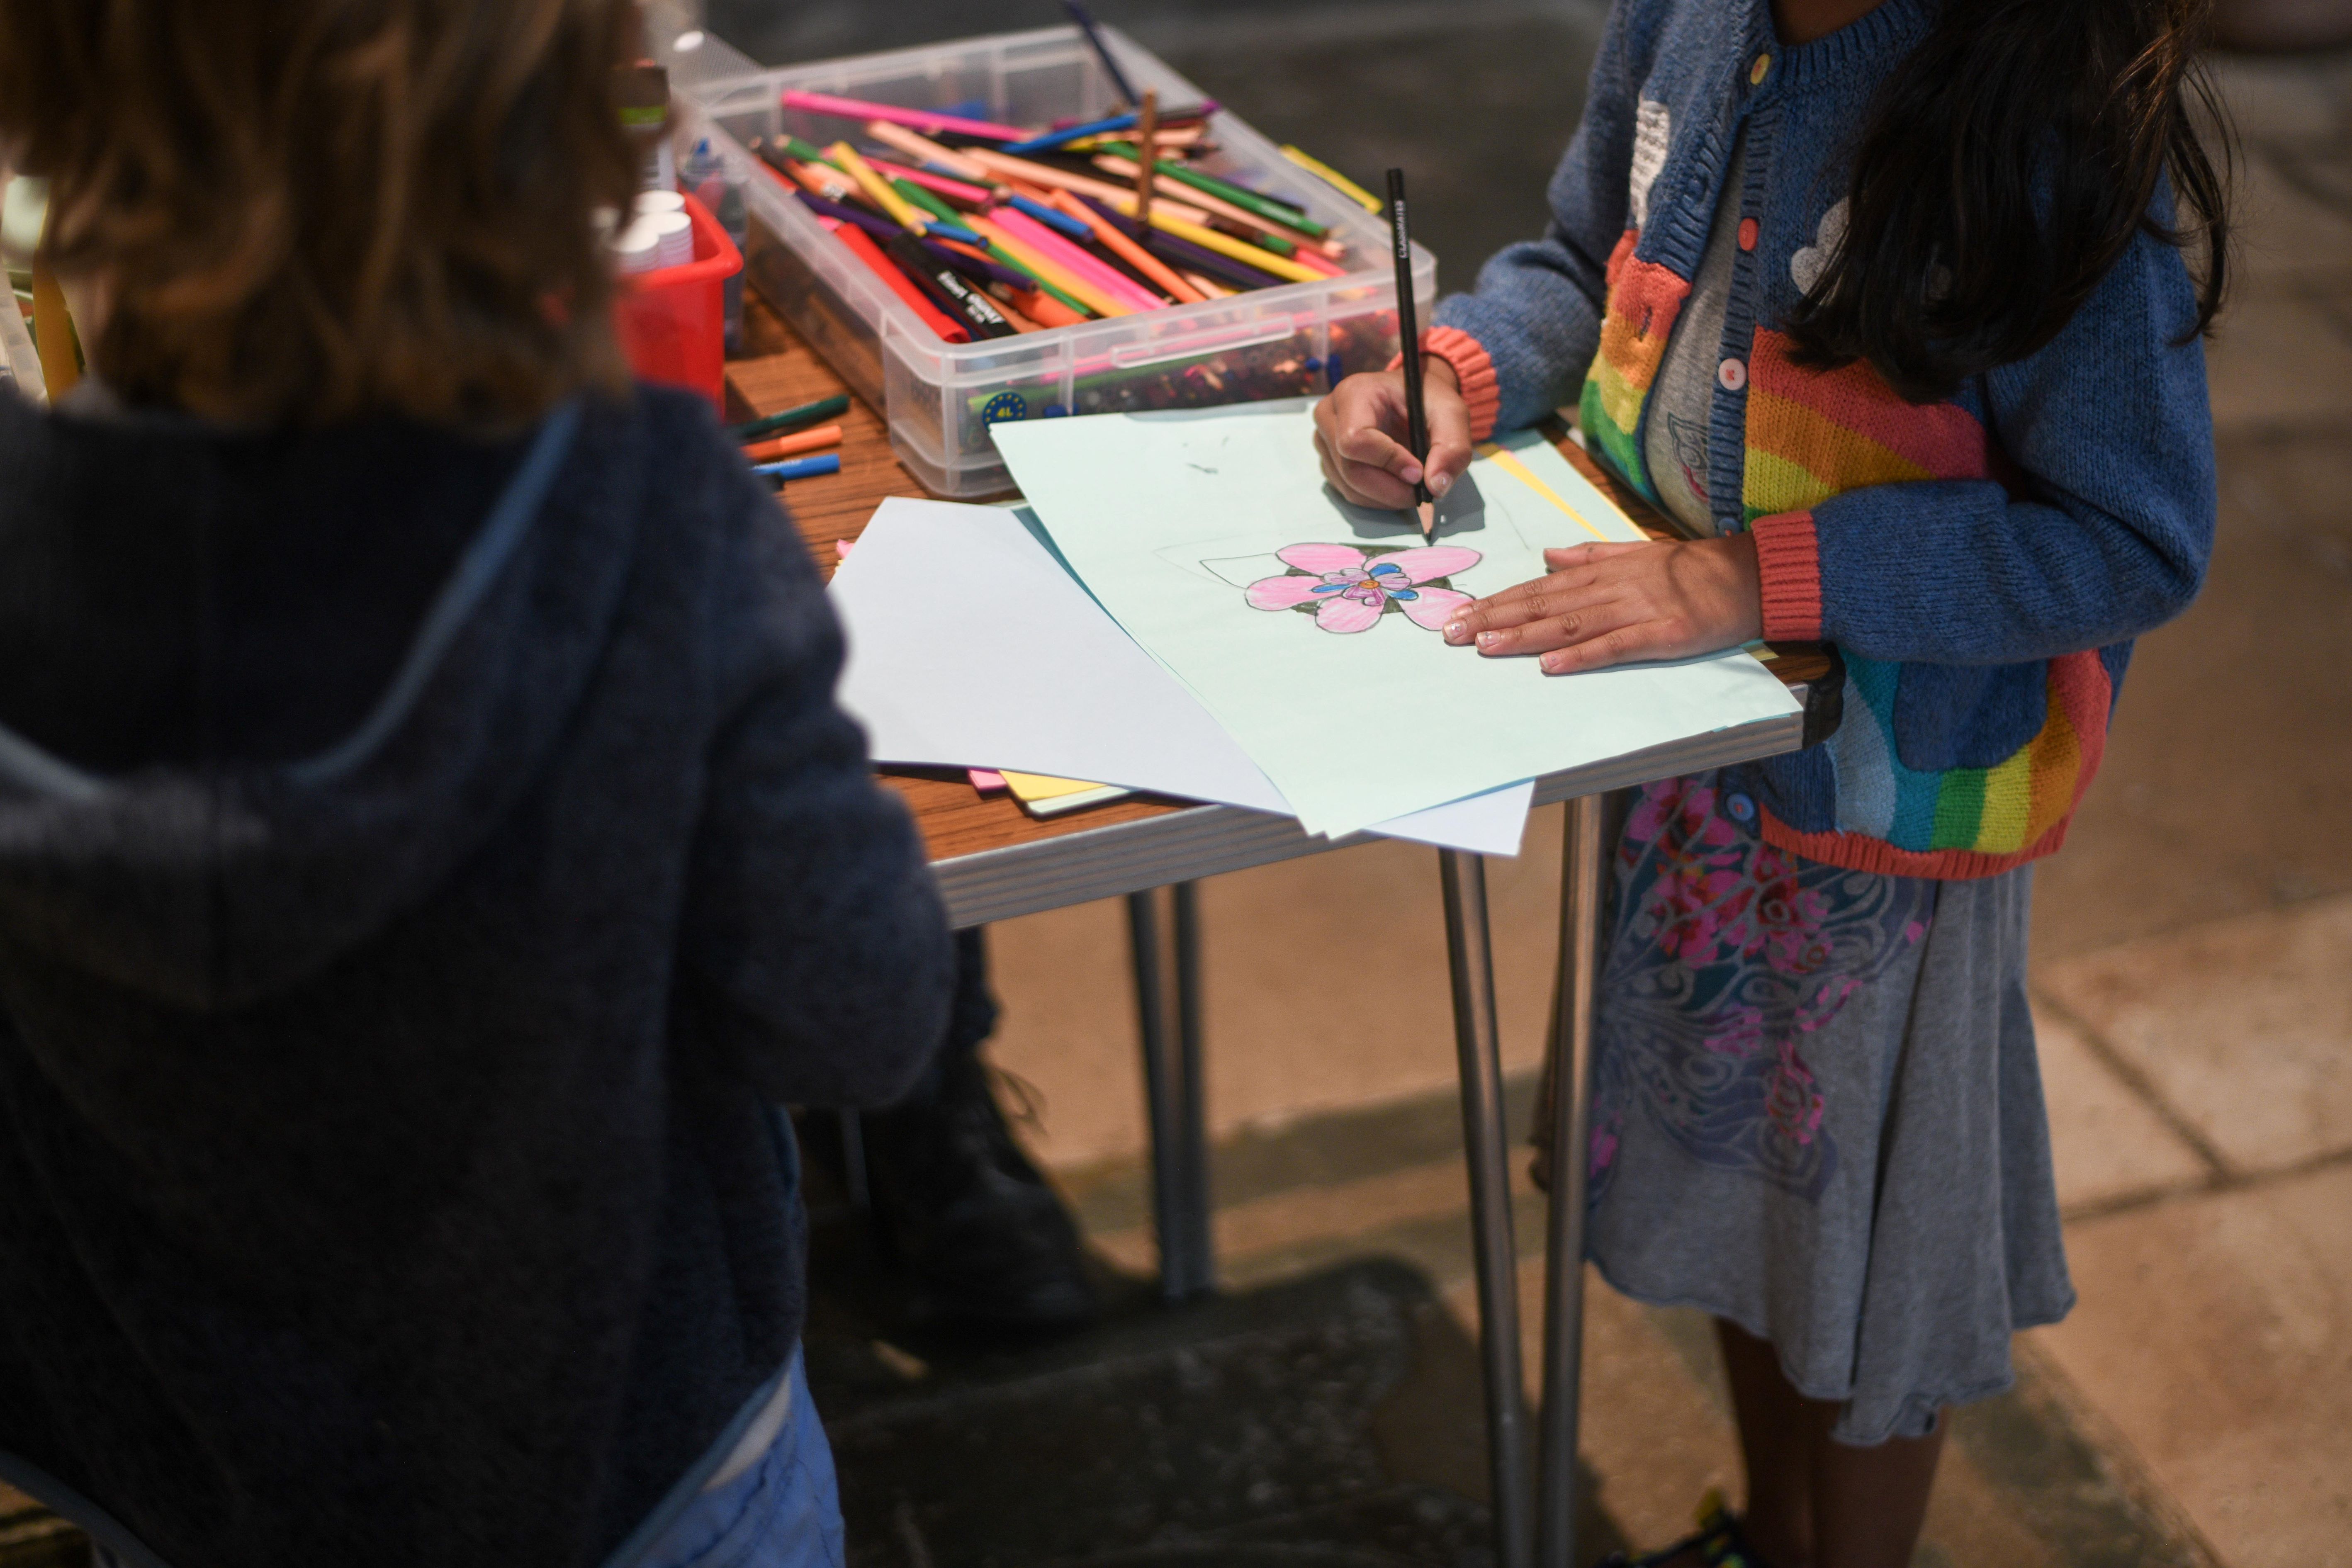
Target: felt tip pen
{"x": 947, "y": 291}
{"x": 806, "y": 414}
{"x": 799, "y": 467}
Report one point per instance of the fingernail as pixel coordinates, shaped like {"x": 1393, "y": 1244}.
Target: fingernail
{"x": 1439, "y": 484}
{"x": 1549, "y": 664}
{"x": 1456, "y": 631}
{"x": 1412, "y": 474}
{"x": 1488, "y": 639}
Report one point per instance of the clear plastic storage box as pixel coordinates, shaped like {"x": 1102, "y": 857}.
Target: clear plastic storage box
{"x": 941, "y": 398}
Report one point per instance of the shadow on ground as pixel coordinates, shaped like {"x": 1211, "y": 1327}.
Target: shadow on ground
{"x": 1333, "y": 1419}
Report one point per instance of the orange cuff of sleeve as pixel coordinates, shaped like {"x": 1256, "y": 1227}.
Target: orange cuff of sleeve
{"x": 1789, "y": 557}
{"x": 1472, "y": 369}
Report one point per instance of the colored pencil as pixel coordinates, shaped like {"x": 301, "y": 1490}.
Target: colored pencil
{"x": 1109, "y": 235}
{"x": 1184, "y": 253}
{"x": 1416, "y": 414}
{"x": 1072, "y": 260}
{"x": 1249, "y": 255}
{"x": 787, "y": 446}
{"x": 1032, "y": 281}
{"x": 925, "y": 151}
{"x": 1038, "y": 173}
{"x": 913, "y": 118}
{"x": 1210, "y": 206}
{"x": 842, "y": 211}
{"x": 1036, "y": 208}
{"x": 1064, "y": 282}
{"x": 914, "y": 195}
{"x": 1048, "y": 311}
{"x": 1053, "y": 138}
{"x": 875, "y": 187}
{"x": 1333, "y": 178}
{"x": 962, "y": 192}
{"x": 807, "y": 412}
{"x": 1271, "y": 209}
{"x": 977, "y": 268}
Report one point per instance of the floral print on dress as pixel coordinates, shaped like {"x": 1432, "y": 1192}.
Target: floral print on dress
{"x": 1728, "y": 955}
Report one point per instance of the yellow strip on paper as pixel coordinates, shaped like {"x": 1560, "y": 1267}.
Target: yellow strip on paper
{"x": 1509, "y": 463}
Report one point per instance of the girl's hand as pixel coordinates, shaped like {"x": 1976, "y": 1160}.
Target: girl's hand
{"x": 1619, "y": 603}
{"x": 1359, "y": 433}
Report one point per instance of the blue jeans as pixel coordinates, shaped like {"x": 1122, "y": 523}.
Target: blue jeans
{"x": 783, "y": 1513}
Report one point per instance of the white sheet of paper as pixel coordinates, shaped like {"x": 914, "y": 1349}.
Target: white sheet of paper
{"x": 1211, "y": 537}
{"x": 970, "y": 645}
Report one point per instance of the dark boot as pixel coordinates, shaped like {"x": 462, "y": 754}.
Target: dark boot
{"x": 969, "y": 1219}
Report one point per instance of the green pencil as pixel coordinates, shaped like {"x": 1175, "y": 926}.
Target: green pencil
{"x": 1270, "y": 208}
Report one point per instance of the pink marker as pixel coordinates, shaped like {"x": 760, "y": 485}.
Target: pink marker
{"x": 858, "y": 109}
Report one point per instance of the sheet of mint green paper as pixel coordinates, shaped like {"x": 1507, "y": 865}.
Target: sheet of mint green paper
{"x": 1311, "y": 628}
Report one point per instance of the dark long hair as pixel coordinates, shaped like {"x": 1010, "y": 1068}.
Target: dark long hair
{"x": 2003, "y": 169}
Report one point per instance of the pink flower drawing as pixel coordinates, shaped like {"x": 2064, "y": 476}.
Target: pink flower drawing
{"x": 1347, "y": 590}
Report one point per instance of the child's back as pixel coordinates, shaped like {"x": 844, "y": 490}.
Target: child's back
{"x": 429, "y": 857}
{"x": 413, "y": 899}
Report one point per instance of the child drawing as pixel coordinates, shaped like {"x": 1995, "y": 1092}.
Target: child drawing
{"x": 1783, "y": 269}
{"x": 1347, "y": 589}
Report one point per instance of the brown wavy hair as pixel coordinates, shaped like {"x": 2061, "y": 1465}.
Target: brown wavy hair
{"x": 305, "y": 211}
{"x": 2003, "y": 169}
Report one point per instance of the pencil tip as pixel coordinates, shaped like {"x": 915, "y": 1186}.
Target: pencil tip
{"x": 1427, "y": 511}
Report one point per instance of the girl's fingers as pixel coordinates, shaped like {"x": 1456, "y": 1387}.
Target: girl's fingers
{"x": 1620, "y": 645}
{"x": 1356, "y": 430}
{"x": 1449, "y": 434}
{"x": 1544, "y": 633}
{"x": 1363, "y": 484}
{"x": 1570, "y": 555}
{"x": 1376, "y": 448}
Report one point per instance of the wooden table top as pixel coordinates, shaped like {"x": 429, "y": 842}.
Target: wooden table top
{"x": 777, "y": 369}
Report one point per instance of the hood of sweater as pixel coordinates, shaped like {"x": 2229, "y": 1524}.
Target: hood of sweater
{"x": 260, "y": 693}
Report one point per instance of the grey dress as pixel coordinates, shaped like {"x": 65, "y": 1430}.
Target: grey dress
{"x": 1817, "y": 1111}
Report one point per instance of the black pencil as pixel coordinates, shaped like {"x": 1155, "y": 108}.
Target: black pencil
{"x": 1408, "y": 335}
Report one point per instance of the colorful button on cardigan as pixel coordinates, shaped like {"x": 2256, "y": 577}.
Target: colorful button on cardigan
{"x": 1983, "y": 562}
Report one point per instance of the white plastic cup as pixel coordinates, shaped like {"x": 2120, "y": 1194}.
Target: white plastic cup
{"x": 637, "y": 247}
{"x": 673, "y": 237}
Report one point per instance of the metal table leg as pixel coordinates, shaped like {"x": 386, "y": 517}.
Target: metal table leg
{"x": 1571, "y": 1056}
{"x": 1471, "y": 958}
{"x": 1172, "y": 1081}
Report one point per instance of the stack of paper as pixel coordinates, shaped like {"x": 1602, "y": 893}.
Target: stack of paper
{"x": 1188, "y": 610}
{"x": 969, "y": 642}
{"x": 1308, "y": 629}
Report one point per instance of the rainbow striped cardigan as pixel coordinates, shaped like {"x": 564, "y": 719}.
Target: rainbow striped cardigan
{"x": 1982, "y": 563}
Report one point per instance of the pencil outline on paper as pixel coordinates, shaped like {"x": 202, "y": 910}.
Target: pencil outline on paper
{"x": 1349, "y": 588}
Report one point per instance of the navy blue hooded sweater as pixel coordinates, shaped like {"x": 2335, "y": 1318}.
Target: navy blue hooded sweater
{"x": 424, "y": 865}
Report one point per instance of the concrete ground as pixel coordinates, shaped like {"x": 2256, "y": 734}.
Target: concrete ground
{"x": 2193, "y": 982}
